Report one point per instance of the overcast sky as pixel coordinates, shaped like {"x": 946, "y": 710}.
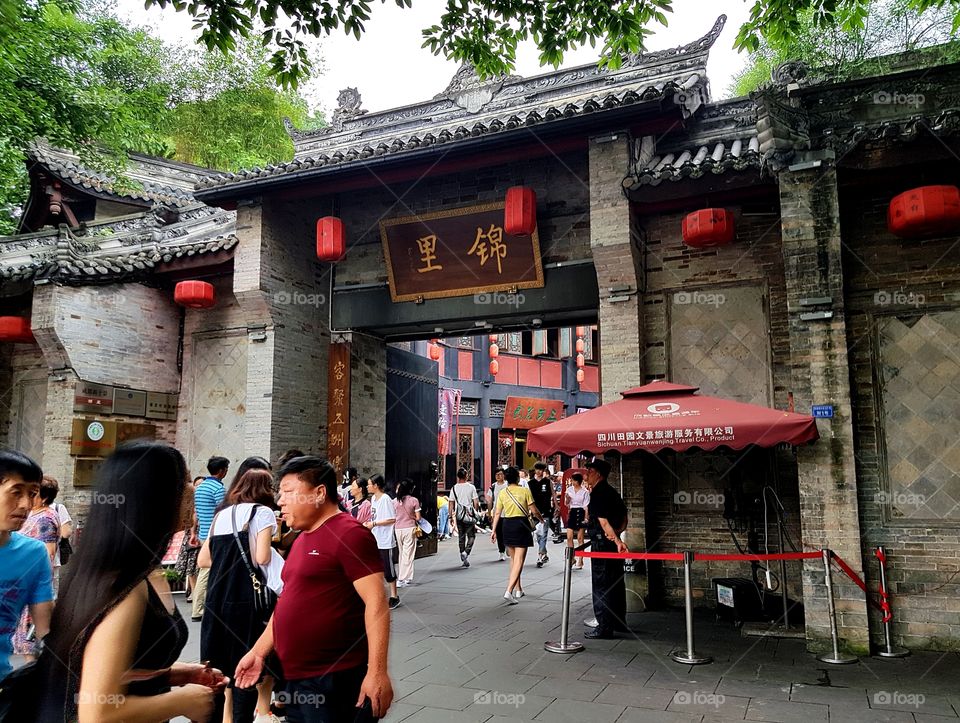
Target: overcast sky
{"x": 390, "y": 69}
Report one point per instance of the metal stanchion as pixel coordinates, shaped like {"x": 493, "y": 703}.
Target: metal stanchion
{"x": 689, "y": 657}
{"x": 836, "y": 657}
{"x": 564, "y": 645}
{"x": 889, "y": 651}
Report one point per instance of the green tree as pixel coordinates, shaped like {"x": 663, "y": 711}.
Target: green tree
{"x": 487, "y": 32}
{"x": 855, "y": 46}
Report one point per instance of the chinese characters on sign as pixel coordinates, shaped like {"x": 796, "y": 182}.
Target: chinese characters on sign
{"x": 458, "y": 253}
{"x": 666, "y": 437}
{"x": 338, "y": 407}
{"x": 529, "y": 412}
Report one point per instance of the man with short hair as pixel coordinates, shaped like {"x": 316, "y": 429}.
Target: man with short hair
{"x": 206, "y": 499}
{"x": 608, "y": 518}
{"x": 331, "y": 626}
{"x": 465, "y": 509}
{"x": 26, "y": 578}
{"x": 541, "y": 487}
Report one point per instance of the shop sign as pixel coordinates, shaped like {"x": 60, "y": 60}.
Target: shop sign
{"x": 458, "y": 253}
{"x": 822, "y": 411}
{"x": 530, "y": 412}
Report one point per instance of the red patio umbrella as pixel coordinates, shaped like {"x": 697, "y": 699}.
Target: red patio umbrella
{"x": 662, "y": 415}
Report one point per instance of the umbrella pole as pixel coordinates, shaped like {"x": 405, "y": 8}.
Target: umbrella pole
{"x": 621, "y": 475}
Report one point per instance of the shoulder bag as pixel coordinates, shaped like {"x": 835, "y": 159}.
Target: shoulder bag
{"x": 264, "y": 599}
{"x": 526, "y": 515}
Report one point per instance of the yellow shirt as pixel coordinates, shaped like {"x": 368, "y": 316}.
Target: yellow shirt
{"x": 509, "y": 508}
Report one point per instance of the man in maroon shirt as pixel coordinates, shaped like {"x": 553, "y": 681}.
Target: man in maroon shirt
{"x": 331, "y": 626}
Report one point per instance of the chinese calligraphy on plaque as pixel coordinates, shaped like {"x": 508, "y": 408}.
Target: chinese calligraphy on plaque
{"x": 338, "y": 407}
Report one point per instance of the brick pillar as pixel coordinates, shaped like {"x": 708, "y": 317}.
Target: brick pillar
{"x": 368, "y": 404}
{"x": 617, "y": 258}
{"x": 283, "y": 292}
{"x": 818, "y": 349}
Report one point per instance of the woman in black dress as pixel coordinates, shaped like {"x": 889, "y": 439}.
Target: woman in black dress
{"x": 514, "y": 507}
{"x": 116, "y": 634}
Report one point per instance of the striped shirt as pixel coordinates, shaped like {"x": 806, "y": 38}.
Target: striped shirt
{"x": 206, "y": 500}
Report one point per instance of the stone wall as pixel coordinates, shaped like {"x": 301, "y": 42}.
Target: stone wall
{"x": 902, "y": 305}
{"x": 368, "y": 404}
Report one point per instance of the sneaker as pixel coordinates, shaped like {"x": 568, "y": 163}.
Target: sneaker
{"x": 546, "y": 557}
{"x": 466, "y": 562}
{"x": 463, "y": 557}
{"x": 503, "y": 556}
{"x": 510, "y": 598}
{"x": 394, "y": 603}
{"x": 401, "y": 583}
{"x": 519, "y": 594}
{"x": 266, "y": 718}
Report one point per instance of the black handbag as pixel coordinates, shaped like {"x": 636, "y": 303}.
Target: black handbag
{"x": 264, "y": 599}
{"x": 66, "y": 550}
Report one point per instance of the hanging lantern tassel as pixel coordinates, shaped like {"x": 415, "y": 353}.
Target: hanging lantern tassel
{"x": 580, "y": 376}
{"x": 494, "y": 351}
{"x": 494, "y": 367}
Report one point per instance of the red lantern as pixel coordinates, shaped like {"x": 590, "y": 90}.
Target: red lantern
{"x": 494, "y": 351}
{"x": 494, "y": 367}
{"x": 492, "y": 338}
{"x": 580, "y": 376}
{"x": 194, "y": 294}
{"x": 434, "y": 350}
{"x": 581, "y": 331}
{"x": 708, "y": 227}
{"x": 925, "y": 211}
{"x": 16, "y": 330}
{"x": 580, "y": 361}
{"x": 331, "y": 241}
{"x": 520, "y": 211}
{"x": 580, "y": 346}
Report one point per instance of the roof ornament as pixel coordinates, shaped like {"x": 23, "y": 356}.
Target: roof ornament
{"x": 467, "y": 90}
{"x": 792, "y": 72}
{"x": 700, "y": 45}
{"x": 348, "y": 108}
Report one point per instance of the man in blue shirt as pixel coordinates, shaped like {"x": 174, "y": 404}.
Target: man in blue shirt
{"x": 206, "y": 499}
{"x": 26, "y": 579}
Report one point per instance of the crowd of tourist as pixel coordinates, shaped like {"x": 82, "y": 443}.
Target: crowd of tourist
{"x": 290, "y": 572}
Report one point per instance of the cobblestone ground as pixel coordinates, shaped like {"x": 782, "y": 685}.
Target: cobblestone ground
{"x": 459, "y": 654}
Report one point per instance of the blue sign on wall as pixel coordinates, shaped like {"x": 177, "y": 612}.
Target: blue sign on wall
{"x": 824, "y": 411}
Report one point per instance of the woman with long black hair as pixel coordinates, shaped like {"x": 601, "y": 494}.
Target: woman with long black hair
{"x": 116, "y": 633}
{"x": 408, "y": 516}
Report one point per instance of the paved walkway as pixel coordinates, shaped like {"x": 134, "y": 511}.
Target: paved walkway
{"x": 460, "y": 654}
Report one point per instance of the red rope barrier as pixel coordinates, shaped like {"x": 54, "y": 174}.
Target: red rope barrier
{"x": 852, "y": 574}
{"x": 884, "y": 595}
{"x": 677, "y": 556}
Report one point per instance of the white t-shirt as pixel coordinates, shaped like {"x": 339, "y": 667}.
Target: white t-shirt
{"x": 264, "y": 518}
{"x": 383, "y": 509}
{"x": 463, "y": 494}
{"x": 64, "y": 519}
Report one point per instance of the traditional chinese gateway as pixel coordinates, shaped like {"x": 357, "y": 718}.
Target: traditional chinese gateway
{"x": 743, "y": 247}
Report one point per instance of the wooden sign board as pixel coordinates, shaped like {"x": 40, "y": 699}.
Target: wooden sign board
{"x": 93, "y": 437}
{"x": 338, "y": 407}
{"x": 530, "y": 412}
{"x": 458, "y": 253}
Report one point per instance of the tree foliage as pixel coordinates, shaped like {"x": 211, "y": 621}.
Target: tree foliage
{"x": 486, "y": 32}
{"x": 857, "y": 44}
{"x": 85, "y": 81}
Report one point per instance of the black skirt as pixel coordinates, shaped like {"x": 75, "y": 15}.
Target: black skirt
{"x": 575, "y": 519}
{"x": 516, "y": 532}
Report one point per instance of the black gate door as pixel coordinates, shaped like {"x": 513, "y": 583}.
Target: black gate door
{"x": 411, "y": 445}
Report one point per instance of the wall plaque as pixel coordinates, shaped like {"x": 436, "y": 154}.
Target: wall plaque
{"x": 458, "y": 253}
{"x": 338, "y": 407}
{"x": 161, "y": 406}
{"x": 93, "y": 437}
{"x": 530, "y": 412}
{"x": 90, "y": 397}
{"x": 130, "y": 401}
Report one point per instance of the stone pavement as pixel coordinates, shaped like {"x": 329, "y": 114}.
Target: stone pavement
{"x": 460, "y": 654}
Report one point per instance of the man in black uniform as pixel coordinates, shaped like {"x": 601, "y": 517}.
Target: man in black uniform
{"x": 608, "y": 518}
{"x": 541, "y": 487}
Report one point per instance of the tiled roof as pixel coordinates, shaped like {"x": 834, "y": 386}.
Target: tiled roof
{"x": 120, "y": 248}
{"x": 147, "y": 180}
{"x": 470, "y": 109}
{"x": 730, "y": 154}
